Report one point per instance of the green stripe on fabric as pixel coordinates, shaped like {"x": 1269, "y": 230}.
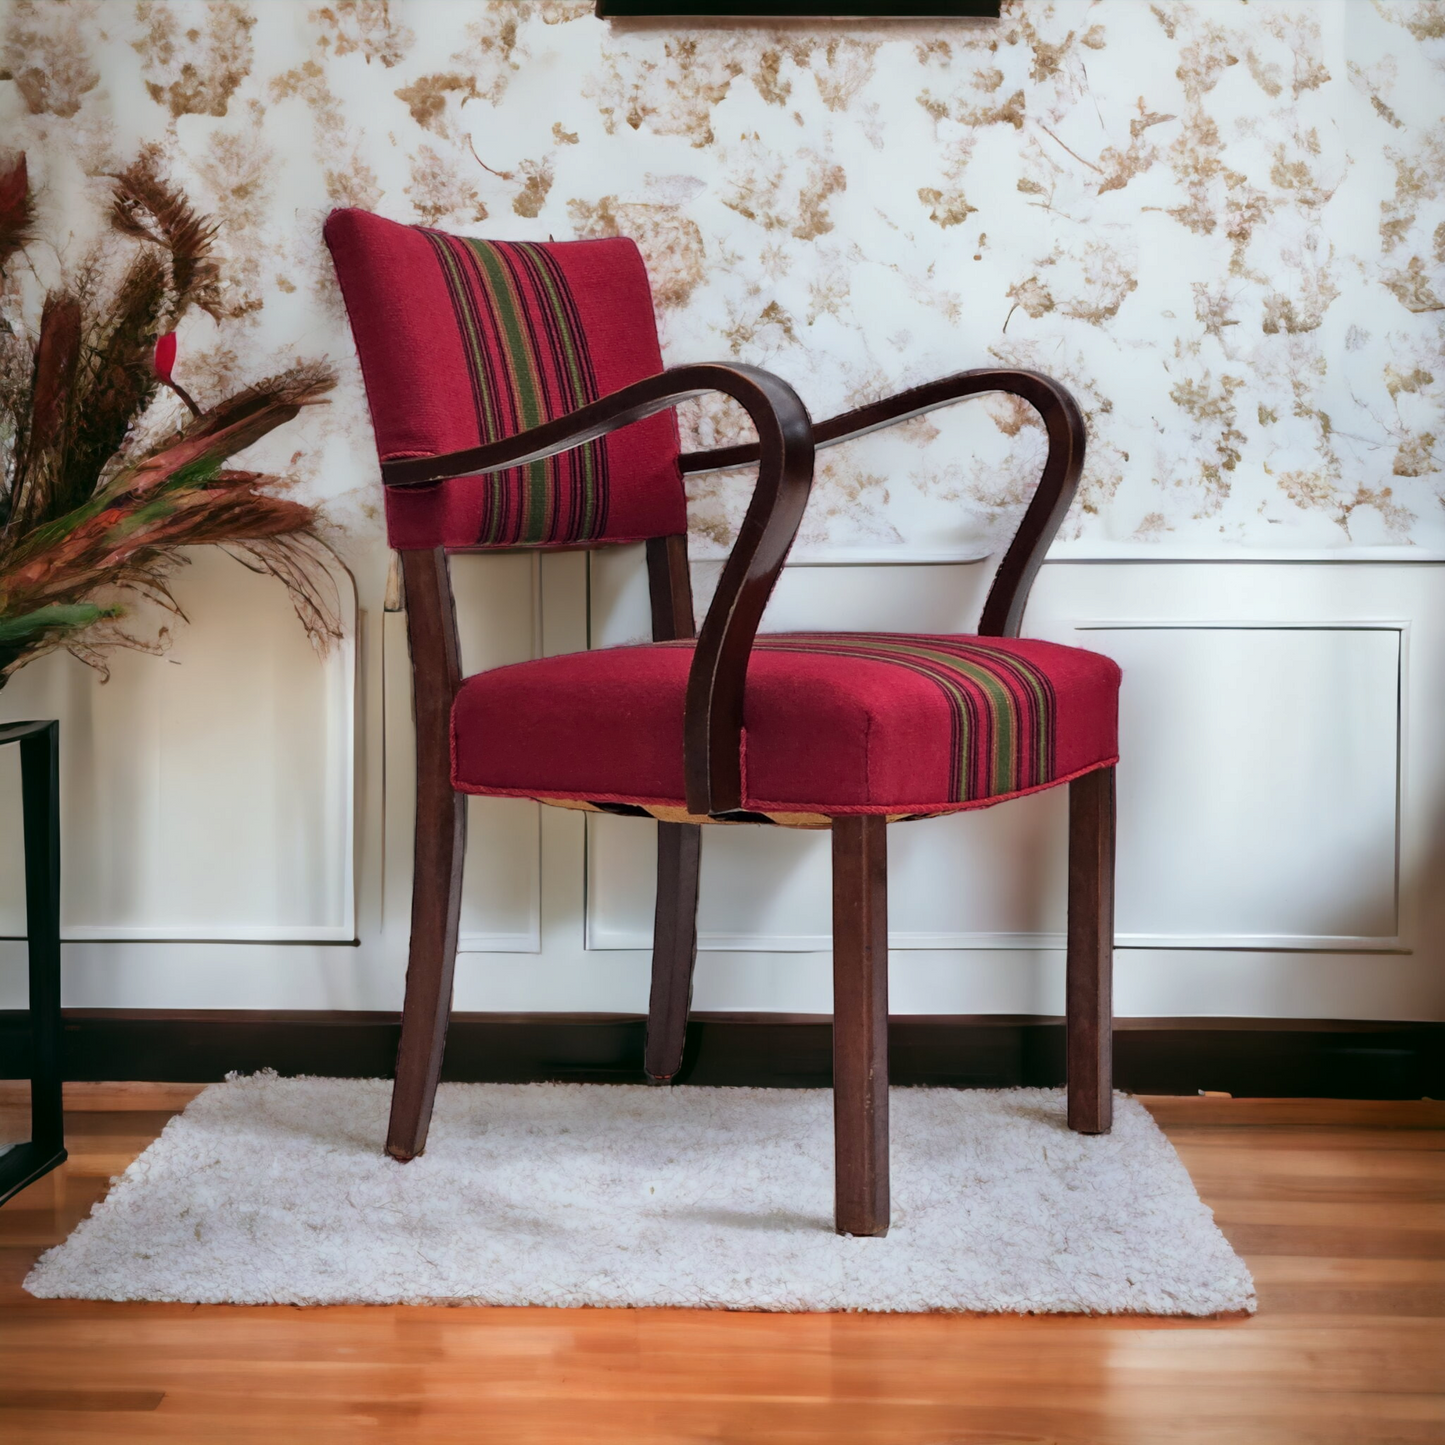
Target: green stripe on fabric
{"x": 524, "y": 364}
{"x": 576, "y": 375}
{"x": 491, "y": 423}
{"x": 1005, "y": 762}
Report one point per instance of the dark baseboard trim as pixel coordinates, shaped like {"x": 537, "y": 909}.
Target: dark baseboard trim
{"x": 1261, "y": 1058}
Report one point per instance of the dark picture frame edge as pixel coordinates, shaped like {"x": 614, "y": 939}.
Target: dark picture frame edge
{"x": 796, "y": 10}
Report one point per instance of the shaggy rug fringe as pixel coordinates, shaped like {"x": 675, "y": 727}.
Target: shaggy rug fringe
{"x": 270, "y": 1190}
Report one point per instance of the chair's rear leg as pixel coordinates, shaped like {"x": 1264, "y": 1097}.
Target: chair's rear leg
{"x": 679, "y": 845}
{"x": 860, "y": 1024}
{"x": 1089, "y": 986}
{"x": 674, "y": 948}
{"x": 441, "y": 828}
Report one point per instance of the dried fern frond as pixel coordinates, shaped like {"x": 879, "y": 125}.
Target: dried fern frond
{"x": 37, "y": 487}
{"x": 135, "y": 547}
{"x": 17, "y": 210}
{"x": 127, "y": 535}
{"x": 93, "y": 645}
{"x": 90, "y": 512}
{"x": 146, "y": 206}
{"x": 298, "y": 560}
{"x": 115, "y": 381}
{"x": 227, "y": 428}
{"x": 290, "y": 390}
{"x": 24, "y": 638}
{"x": 57, "y": 354}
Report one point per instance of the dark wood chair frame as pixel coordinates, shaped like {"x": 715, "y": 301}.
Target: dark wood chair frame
{"x": 784, "y": 452}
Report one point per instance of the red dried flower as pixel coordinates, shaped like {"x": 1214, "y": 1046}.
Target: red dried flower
{"x": 164, "y": 362}
{"x": 165, "y": 358}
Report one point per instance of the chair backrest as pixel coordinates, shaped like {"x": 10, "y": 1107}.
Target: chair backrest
{"x": 464, "y": 342}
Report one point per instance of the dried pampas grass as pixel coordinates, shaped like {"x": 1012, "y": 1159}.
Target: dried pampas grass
{"x": 89, "y": 513}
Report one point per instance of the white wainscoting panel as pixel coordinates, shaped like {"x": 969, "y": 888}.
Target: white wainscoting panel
{"x": 1258, "y": 799}
{"x": 988, "y": 880}
{"x": 1258, "y": 786}
{"x": 828, "y": 597}
{"x": 991, "y": 879}
{"x": 823, "y": 596}
{"x": 619, "y": 609}
{"x": 1282, "y": 807}
{"x": 499, "y": 619}
{"x": 207, "y": 793}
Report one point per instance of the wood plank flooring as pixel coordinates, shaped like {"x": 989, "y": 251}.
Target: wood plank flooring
{"x": 1339, "y": 1208}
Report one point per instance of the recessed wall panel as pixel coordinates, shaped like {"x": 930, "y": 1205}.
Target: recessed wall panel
{"x": 1257, "y": 809}
{"x": 1258, "y": 783}
{"x": 499, "y": 622}
{"x": 995, "y": 875}
{"x": 206, "y": 792}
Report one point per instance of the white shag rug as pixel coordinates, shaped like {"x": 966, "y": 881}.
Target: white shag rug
{"x": 270, "y": 1190}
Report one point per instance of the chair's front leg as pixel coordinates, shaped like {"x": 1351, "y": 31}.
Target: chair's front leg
{"x": 441, "y": 832}
{"x": 674, "y": 948}
{"x": 1089, "y": 984}
{"x": 860, "y": 1024}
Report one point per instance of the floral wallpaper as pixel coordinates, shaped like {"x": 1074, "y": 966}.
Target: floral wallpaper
{"x": 1221, "y": 223}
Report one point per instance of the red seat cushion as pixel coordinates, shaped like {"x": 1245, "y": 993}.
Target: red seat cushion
{"x": 834, "y": 723}
{"x": 464, "y": 341}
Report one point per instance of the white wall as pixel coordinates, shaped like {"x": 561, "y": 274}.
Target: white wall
{"x": 1215, "y": 221}
{"x": 1282, "y": 809}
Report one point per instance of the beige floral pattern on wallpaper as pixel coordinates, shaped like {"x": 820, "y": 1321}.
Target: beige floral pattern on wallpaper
{"x": 1221, "y": 223}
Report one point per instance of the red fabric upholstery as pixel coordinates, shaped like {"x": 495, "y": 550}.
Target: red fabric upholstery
{"x": 446, "y": 368}
{"x": 835, "y": 723}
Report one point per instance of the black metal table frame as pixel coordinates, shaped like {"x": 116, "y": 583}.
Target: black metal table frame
{"x": 40, "y": 789}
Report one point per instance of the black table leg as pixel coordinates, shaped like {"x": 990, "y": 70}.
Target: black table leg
{"x": 40, "y": 787}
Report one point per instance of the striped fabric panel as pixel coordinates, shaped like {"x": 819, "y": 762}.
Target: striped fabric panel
{"x": 1003, "y": 708}
{"x": 529, "y": 363}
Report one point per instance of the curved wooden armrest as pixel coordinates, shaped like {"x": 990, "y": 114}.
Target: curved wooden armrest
{"x": 759, "y": 392}
{"x": 1003, "y": 611}
{"x": 714, "y": 716}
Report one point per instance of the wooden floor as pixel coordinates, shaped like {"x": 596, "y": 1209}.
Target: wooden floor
{"x": 1338, "y": 1207}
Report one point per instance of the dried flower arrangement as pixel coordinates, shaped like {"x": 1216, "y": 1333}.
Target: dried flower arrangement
{"x": 94, "y": 506}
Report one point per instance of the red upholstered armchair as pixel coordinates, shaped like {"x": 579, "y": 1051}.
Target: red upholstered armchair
{"x": 519, "y": 400}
